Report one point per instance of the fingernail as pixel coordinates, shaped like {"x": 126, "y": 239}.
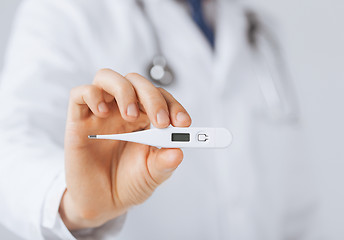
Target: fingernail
{"x": 162, "y": 117}
{"x": 182, "y": 117}
{"x": 132, "y": 110}
{"x": 102, "y": 107}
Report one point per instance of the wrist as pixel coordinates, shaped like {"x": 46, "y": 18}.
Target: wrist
{"x": 76, "y": 219}
{"x": 73, "y": 219}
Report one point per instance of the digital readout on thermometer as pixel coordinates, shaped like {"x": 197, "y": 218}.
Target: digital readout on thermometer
{"x": 180, "y": 137}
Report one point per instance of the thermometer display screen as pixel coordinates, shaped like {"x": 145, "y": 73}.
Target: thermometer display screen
{"x": 180, "y": 137}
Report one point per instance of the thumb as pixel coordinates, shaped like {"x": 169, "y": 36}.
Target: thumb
{"x": 162, "y": 162}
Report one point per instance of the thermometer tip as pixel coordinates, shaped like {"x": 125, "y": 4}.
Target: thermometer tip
{"x": 92, "y": 136}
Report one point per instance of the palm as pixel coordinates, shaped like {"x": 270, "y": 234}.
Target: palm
{"x": 111, "y": 169}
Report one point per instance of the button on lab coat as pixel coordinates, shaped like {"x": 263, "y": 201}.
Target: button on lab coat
{"x": 256, "y": 189}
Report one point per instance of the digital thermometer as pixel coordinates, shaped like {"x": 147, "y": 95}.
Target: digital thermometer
{"x": 175, "y": 137}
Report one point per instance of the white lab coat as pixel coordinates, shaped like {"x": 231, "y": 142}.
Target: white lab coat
{"x": 256, "y": 189}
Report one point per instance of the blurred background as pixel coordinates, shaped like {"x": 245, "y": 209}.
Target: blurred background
{"x": 313, "y": 38}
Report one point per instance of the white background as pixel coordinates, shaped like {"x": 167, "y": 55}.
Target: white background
{"x": 313, "y": 33}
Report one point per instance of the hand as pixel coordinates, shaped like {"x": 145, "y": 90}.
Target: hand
{"x": 105, "y": 178}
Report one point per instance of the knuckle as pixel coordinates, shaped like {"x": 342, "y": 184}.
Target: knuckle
{"x": 101, "y": 72}
{"x": 123, "y": 87}
{"x": 73, "y": 91}
{"x": 132, "y": 75}
{"x": 76, "y": 91}
{"x": 84, "y": 91}
{"x": 89, "y": 90}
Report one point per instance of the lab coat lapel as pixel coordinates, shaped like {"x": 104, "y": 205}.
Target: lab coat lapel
{"x": 181, "y": 40}
{"x": 229, "y": 39}
{"x": 229, "y": 43}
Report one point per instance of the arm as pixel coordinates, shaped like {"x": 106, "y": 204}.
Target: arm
{"x": 37, "y": 73}
{"x": 103, "y": 179}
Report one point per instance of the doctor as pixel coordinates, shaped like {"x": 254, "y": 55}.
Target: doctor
{"x": 75, "y": 68}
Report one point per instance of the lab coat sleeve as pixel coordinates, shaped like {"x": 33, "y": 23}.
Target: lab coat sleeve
{"x": 44, "y": 60}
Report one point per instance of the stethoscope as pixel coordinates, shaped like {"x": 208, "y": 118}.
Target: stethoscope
{"x": 270, "y": 68}
{"x": 158, "y": 70}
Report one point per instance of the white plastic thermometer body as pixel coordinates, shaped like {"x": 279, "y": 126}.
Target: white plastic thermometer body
{"x": 175, "y": 137}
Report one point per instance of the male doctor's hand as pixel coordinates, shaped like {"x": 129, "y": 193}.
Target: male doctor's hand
{"x": 105, "y": 178}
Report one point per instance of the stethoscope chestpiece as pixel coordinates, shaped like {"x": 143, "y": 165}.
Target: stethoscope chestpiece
{"x": 159, "y": 72}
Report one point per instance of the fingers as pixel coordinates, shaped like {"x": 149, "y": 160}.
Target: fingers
{"x": 85, "y": 98}
{"x": 178, "y": 115}
{"x": 162, "y": 162}
{"x": 151, "y": 99}
{"x": 122, "y": 90}
{"x": 161, "y": 107}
